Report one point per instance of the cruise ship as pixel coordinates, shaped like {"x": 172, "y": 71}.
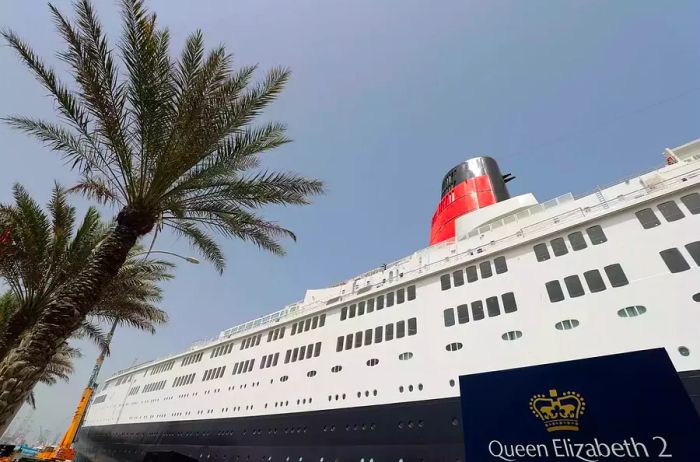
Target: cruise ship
{"x": 368, "y": 370}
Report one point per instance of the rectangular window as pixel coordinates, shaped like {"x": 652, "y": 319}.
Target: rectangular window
{"x": 674, "y": 260}
{"x": 358, "y": 339}
{"x": 509, "y": 305}
{"x": 477, "y": 310}
{"x": 302, "y": 352}
{"x": 368, "y": 337}
{"x": 485, "y": 269}
{"x": 463, "y": 314}
{"x": 295, "y": 354}
{"x": 246, "y": 365}
{"x": 370, "y": 305}
{"x": 559, "y": 247}
{"x": 321, "y": 321}
{"x": 577, "y": 241}
{"x": 541, "y": 252}
{"x": 574, "y": 286}
{"x": 647, "y": 218}
{"x": 390, "y": 299}
{"x": 307, "y": 325}
{"x": 380, "y": 302}
{"x": 400, "y": 329}
{"x": 389, "y": 332}
{"x": 274, "y": 362}
{"x": 400, "y": 295}
{"x": 270, "y": 358}
{"x": 458, "y": 277}
{"x": 492, "y": 307}
{"x": 670, "y": 211}
{"x": 294, "y": 326}
{"x": 252, "y": 363}
{"x": 378, "y": 331}
{"x": 235, "y": 368}
{"x": 694, "y": 250}
{"x": 287, "y": 356}
{"x": 445, "y": 282}
{"x": 554, "y": 291}
{"x": 314, "y": 322}
{"x": 343, "y": 316}
{"x": 348, "y": 342}
{"x": 594, "y": 280}
{"x": 262, "y": 361}
{"x": 309, "y": 350}
{"x": 472, "y": 274}
{"x": 692, "y": 202}
{"x": 412, "y": 326}
{"x": 339, "y": 344}
{"x": 500, "y": 264}
{"x": 353, "y": 310}
{"x": 361, "y": 308}
{"x": 616, "y": 275}
{"x": 317, "y": 349}
{"x": 596, "y": 235}
{"x": 411, "y": 292}
{"x": 449, "y": 317}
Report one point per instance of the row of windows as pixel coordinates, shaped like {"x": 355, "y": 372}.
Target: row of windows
{"x": 302, "y": 352}
{"x": 162, "y": 367}
{"x": 368, "y": 306}
{"x": 670, "y": 211}
{"x": 376, "y": 335}
{"x": 100, "y": 399}
{"x": 493, "y": 308}
{"x": 242, "y": 367}
{"x": 308, "y": 323}
{"x": 576, "y": 240}
{"x": 676, "y": 262}
{"x": 248, "y": 342}
{"x": 134, "y": 390}
{"x": 215, "y": 373}
{"x": 123, "y": 379}
{"x": 222, "y": 350}
{"x": 484, "y": 269}
{"x": 191, "y": 359}
{"x": 269, "y": 360}
{"x": 155, "y": 386}
{"x": 593, "y": 278}
{"x": 184, "y": 380}
{"x": 275, "y": 334}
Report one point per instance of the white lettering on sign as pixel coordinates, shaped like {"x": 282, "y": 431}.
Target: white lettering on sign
{"x": 629, "y": 448}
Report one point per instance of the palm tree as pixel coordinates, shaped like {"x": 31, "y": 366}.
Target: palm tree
{"x": 172, "y": 144}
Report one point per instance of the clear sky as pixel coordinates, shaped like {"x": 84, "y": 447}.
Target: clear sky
{"x": 385, "y": 97}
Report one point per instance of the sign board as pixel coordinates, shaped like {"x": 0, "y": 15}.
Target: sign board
{"x": 622, "y": 407}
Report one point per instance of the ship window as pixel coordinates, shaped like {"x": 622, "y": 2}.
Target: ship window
{"x": 309, "y": 351}
{"x": 336, "y": 368}
{"x": 453, "y": 346}
{"x": 411, "y": 292}
{"x": 445, "y": 281}
{"x": 390, "y": 299}
{"x": 358, "y": 339}
{"x": 314, "y": 322}
{"x": 262, "y": 361}
{"x": 670, "y": 211}
{"x": 692, "y": 202}
{"x": 380, "y": 302}
{"x": 485, "y": 269}
{"x": 559, "y": 247}
{"x": 647, "y": 218}
{"x": 389, "y": 332}
{"x": 343, "y": 316}
{"x": 287, "y": 356}
{"x": 400, "y": 329}
{"x": 353, "y": 310}
{"x": 372, "y": 362}
{"x": 339, "y": 345}
{"x": 277, "y": 355}
{"x": 321, "y": 322}
{"x": 368, "y": 337}
{"x": 317, "y": 349}
{"x": 684, "y": 351}
{"x": 361, "y": 308}
{"x": 541, "y": 252}
{"x": 674, "y": 260}
{"x": 284, "y": 378}
{"x": 405, "y": 356}
{"x": 295, "y": 354}
{"x": 370, "y": 305}
{"x": 463, "y": 314}
{"x": 616, "y": 275}
{"x": 596, "y": 235}
{"x": 307, "y": 324}
{"x": 412, "y": 326}
{"x": 509, "y": 305}
{"x": 694, "y": 250}
{"x": 567, "y": 324}
{"x": 554, "y": 291}
{"x": 302, "y": 351}
{"x": 492, "y": 306}
{"x": 631, "y": 311}
{"x": 378, "y": 331}
{"x": 512, "y": 335}
{"x": 400, "y": 295}
{"x": 449, "y": 315}
{"x": 500, "y": 264}
{"x": 311, "y": 374}
{"x": 573, "y": 286}
{"x": 594, "y": 281}
{"x": 577, "y": 241}
{"x": 477, "y": 310}
{"x": 472, "y": 274}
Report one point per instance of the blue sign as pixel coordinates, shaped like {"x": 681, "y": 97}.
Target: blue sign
{"x": 623, "y": 407}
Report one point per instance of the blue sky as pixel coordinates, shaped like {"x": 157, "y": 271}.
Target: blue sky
{"x": 385, "y": 97}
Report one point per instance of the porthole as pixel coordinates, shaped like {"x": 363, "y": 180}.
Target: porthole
{"x": 284, "y": 378}
{"x": 405, "y": 356}
{"x": 337, "y": 368}
{"x": 696, "y": 297}
{"x": 454, "y": 346}
{"x": 452, "y": 382}
{"x": 311, "y": 373}
{"x": 512, "y": 335}
{"x": 567, "y": 324}
{"x": 631, "y": 311}
{"x": 401, "y": 389}
{"x": 372, "y": 362}
{"x": 684, "y": 351}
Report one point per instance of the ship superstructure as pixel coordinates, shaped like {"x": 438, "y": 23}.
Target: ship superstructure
{"x": 367, "y": 370}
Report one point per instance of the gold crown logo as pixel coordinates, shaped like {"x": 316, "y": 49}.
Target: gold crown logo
{"x": 558, "y": 412}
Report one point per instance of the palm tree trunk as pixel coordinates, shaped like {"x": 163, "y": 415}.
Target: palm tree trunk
{"x": 16, "y": 326}
{"x": 23, "y": 366}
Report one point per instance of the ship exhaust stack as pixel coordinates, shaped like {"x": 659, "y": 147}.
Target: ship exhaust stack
{"x": 470, "y": 186}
